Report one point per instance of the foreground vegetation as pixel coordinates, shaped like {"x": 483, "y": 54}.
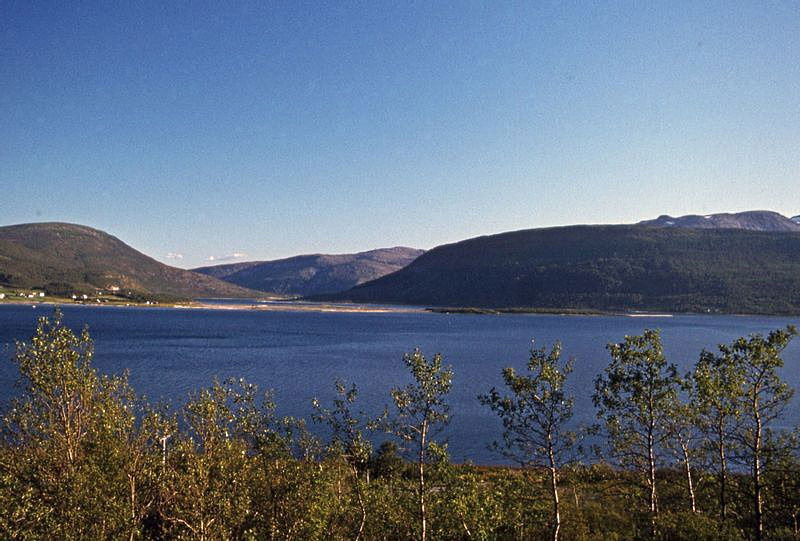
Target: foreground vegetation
{"x": 685, "y": 456}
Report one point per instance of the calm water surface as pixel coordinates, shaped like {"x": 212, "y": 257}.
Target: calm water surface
{"x": 171, "y": 352}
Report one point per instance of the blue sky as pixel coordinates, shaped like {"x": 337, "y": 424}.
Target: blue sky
{"x": 272, "y": 129}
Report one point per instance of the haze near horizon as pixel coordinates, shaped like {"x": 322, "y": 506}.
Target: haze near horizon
{"x": 261, "y": 132}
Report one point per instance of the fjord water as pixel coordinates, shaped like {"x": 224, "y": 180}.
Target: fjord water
{"x": 173, "y": 352}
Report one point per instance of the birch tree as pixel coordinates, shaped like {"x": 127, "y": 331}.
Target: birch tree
{"x": 761, "y": 397}
{"x": 534, "y": 419}
{"x": 717, "y": 384}
{"x": 634, "y": 397}
{"x": 685, "y": 437}
{"x": 421, "y": 412}
{"x": 70, "y": 430}
{"x": 348, "y": 440}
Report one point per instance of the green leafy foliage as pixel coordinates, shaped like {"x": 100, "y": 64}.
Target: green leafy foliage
{"x": 535, "y": 418}
{"x": 421, "y": 411}
{"x": 635, "y": 397}
{"x": 536, "y": 414}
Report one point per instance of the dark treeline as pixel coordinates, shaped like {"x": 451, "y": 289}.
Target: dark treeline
{"x": 684, "y": 456}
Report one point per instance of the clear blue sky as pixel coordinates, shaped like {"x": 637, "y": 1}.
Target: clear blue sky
{"x": 272, "y": 129}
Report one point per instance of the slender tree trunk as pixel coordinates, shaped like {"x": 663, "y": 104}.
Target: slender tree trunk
{"x": 723, "y": 472}
{"x": 651, "y": 479}
{"x": 132, "y": 487}
{"x": 361, "y": 504}
{"x": 466, "y": 528}
{"x": 554, "y": 492}
{"x": 757, "y": 497}
{"x": 689, "y": 481}
{"x": 421, "y": 488}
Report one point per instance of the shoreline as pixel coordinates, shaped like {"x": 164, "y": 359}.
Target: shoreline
{"x": 543, "y": 312}
{"x": 289, "y": 306}
{"x": 305, "y": 306}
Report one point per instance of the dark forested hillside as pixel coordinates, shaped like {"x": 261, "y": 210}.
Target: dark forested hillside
{"x": 631, "y": 267}
{"x": 62, "y": 257}
{"x": 314, "y": 274}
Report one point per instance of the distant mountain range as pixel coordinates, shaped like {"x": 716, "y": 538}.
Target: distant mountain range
{"x": 738, "y": 263}
{"x": 755, "y": 220}
{"x": 627, "y": 267}
{"x": 314, "y": 274}
{"x": 66, "y": 258}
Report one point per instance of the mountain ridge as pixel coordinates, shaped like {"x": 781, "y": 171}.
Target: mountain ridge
{"x": 753, "y": 220}
{"x": 740, "y": 262}
{"x": 312, "y": 274}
